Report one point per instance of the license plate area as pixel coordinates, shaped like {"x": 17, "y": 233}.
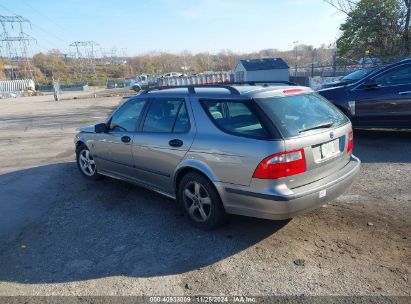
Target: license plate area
{"x": 327, "y": 150}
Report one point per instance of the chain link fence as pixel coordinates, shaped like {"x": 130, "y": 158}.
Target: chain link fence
{"x": 314, "y": 75}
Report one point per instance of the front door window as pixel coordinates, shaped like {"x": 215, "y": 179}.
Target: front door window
{"x": 126, "y": 118}
{"x": 396, "y": 76}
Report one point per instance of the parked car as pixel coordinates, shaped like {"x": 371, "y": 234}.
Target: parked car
{"x": 348, "y": 79}
{"x": 267, "y": 152}
{"x": 382, "y": 99}
{"x": 171, "y": 74}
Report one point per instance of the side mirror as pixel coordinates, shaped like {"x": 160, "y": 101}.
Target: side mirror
{"x": 370, "y": 84}
{"x": 100, "y": 128}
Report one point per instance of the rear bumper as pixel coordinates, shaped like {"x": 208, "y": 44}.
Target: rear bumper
{"x": 278, "y": 206}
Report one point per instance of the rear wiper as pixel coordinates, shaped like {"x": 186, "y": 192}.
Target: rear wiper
{"x": 324, "y": 125}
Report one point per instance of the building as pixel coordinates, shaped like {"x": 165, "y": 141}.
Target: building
{"x": 265, "y": 69}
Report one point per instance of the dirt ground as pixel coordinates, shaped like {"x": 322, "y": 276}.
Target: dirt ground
{"x": 63, "y": 235}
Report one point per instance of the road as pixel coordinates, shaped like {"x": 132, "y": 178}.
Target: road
{"x": 63, "y": 235}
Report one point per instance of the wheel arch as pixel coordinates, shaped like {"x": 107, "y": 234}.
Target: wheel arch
{"x": 79, "y": 143}
{"x": 192, "y": 166}
{"x": 82, "y": 140}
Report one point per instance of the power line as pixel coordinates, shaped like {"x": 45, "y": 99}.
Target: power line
{"x": 47, "y": 17}
{"x": 37, "y": 26}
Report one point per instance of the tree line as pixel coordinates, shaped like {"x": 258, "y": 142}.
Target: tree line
{"x": 372, "y": 28}
{"x": 56, "y": 65}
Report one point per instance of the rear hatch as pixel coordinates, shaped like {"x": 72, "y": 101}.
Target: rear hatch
{"x": 311, "y": 124}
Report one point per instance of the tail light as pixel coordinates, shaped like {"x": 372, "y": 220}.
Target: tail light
{"x": 350, "y": 142}
{"x": 281, "y": 165}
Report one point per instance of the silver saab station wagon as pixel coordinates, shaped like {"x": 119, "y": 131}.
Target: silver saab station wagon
{"x": 263, "y": 151}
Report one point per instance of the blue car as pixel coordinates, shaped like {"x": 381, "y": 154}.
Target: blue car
{"x": 381, "y": 99}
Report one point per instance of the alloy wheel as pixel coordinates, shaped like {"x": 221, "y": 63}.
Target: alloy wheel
{"x": 197, "y": 201}
{"x": 86, "y": 162}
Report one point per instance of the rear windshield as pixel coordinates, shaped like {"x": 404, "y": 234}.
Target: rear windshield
{"x": 300, "y": 114}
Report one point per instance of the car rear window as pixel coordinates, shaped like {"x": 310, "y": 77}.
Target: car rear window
{"x": 235, "y": 117}
{"x": 299, "y": 114}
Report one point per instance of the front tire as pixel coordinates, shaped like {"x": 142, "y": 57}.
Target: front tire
{"x": 201, "y": 202}
{"x": 86, "y": 163}
{"x": 136, "y": 88}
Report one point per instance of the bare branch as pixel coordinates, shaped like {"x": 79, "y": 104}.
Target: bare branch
{"x": 344, "y": 6}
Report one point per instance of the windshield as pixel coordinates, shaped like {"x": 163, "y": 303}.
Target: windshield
{"x": 298, "y": 114}
{"x": 357, "y": 75}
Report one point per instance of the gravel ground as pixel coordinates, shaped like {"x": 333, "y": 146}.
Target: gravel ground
{"x": 63, "y": 235}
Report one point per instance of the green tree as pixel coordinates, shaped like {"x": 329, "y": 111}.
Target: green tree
{"x": 407, "y": 30}
{"x": 379, "y": 28}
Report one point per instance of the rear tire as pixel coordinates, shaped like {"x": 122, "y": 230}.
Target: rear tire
{"x": 85, "y": 163}
{"x": 201, "y": 202}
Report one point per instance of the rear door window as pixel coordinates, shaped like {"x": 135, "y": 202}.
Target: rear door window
{"x": 182, "y": 123}
{"x": 298, "y": 114}
{"x": 167, "y": 116}
{"x": 235, "y": 117}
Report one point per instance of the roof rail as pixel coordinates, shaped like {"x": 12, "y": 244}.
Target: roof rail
{"x": 191, "y": 88}
{"x": 263, "y": 82}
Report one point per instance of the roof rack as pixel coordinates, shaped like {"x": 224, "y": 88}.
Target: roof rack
{"x": 228, "y": 86}
{"x": 191, "y": 88}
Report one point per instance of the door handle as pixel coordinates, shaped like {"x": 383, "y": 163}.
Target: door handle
{"x": 405, "y": 93}
{"x": 175, "y": 143}
{"x": 125, "y": 139}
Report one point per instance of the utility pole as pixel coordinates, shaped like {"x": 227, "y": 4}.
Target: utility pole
{"x": 19, "y": 61}
{"x": 312, "y": 61}
{"x": 334, "y": 59}
{"x": 113, "y": 55}
{"x": 296, "y": 58}
{"x": 124, "y": 53}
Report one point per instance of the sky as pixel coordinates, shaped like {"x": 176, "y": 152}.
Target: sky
{"x": 139, "y": 27}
